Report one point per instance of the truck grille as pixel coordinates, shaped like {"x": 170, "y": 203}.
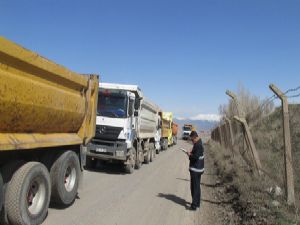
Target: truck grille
{"x": 107, "y": 132}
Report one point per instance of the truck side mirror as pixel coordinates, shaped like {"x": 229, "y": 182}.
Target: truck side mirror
{"x": 136, "y": 113}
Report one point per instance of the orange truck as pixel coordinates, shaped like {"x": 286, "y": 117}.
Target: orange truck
{"x": 174, "y": 132}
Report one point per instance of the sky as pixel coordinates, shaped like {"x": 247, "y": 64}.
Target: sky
{"x": 183, "y": 54}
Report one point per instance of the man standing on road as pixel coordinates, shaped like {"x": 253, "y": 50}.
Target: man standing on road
{"x": 196, "y": 157}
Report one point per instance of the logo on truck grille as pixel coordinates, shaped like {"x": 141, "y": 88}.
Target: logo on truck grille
{"x": 108, "y": 132}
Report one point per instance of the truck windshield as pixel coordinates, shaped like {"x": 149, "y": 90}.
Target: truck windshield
{"x": 187, "y": 129}
{"x": 112, "y": 103}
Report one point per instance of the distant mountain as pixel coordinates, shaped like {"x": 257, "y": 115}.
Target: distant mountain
{"x": 201, "y": 125}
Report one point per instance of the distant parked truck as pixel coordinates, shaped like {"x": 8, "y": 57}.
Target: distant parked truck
{"x": 174, "y": 132}
{"x": 166, "y": 129}
{"x": 187, "y": 129}
{"x": 126, "y": 127}
{"x": 47, "y": 117}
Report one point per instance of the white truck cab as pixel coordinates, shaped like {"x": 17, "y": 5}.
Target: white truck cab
{"x": 126, "y": 125}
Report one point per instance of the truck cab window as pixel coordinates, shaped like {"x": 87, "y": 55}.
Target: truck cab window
{"x": 112, "y": 104}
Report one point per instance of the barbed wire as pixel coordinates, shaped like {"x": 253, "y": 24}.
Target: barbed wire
{"x": 293, "y": 96}
{"x": 272, "y": 98}
{"x": 292, "y": 90}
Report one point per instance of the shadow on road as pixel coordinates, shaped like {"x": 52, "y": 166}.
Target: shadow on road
{"x": 58, "y": 206}
{"x": 216, "y": 202}
{"x": 183, "y": 179}
{"x": 175, "y": 199}
{"x": 112, "y": 169}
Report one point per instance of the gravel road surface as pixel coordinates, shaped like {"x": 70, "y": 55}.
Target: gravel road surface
{"x": 157, "y": 194}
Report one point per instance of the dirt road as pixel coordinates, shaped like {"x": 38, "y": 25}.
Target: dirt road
{"x": 157, "y": 194}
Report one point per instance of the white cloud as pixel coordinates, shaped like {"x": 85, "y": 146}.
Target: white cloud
{"x": 209, "y": 117}
{"x": 180, "y": 118}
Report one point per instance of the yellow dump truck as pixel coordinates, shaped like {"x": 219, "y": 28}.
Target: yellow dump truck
{"x": 166, "y": 129}
{"x": 47, "y": 116}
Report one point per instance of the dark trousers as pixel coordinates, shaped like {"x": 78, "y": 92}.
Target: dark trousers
{"x": 195, "y": 188}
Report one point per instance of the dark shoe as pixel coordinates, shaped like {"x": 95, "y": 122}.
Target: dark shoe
{"x": 193, "y": 208}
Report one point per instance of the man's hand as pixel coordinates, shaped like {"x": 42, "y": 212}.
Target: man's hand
{"x": 189, "y": 153}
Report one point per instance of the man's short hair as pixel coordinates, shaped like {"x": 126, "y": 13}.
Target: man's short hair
{"x": 193, "y": 134}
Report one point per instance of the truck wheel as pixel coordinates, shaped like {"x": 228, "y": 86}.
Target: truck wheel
{"x": 90, "y": 163}
{"x": 152, "y": 151}
{"x": 65, "y": 174}
{"x": 166, "y": 144}
{"x": 147, "y": 159}
{"x": 175, "y": 140}
{"x": 7, "y": 172}
{"x": 138, "y": 161}
{"x": 129, "y": 167}
{"x": 28, "y": 195}
{"x": 157, "y": 151}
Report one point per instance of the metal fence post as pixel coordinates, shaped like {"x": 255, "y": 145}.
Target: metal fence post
{"x": 288, "y": 160}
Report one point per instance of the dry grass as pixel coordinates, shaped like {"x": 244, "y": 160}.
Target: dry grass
{"x": 251, "y": 200}
{"x": 268, "y": 137}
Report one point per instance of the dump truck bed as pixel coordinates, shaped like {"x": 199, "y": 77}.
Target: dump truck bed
{"x": 43, "y": 104}
{"x": 148, "y": 119}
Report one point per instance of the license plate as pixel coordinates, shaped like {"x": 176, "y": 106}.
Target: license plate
{"x": 101, "y": 150}
{"x": 119, "y": 153}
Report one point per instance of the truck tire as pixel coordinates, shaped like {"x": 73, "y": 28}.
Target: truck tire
{"x": 152, "y": 151}
{"x": 166, "y": 144}
{"x": 129, "y": 167}
{"x": 28, "y": 195}
{"x": 90, "y": 163}
{"x": 65, "y": 174}
{"x": 157, "y": 151}
{"x": 147, "y": 159}
{"x": 174, "y": 140}
{"x": 1, "y": 192}
{"x": 7, "y": 172}
{"x": 138, "y": 161}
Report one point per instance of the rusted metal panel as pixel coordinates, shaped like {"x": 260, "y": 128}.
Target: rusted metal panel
{"x": 43, "y": 104}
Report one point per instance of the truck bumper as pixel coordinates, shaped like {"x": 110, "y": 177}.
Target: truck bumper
{"x": 107, "y": 150}
{"x": 185, "y": 137}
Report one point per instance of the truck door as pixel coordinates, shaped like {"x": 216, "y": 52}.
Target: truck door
{"x": 132, "y": 122}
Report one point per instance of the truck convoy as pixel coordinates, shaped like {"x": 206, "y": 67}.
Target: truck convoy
{"x": 187, "y": 129}
{"x": 126, "y": 127}
{"x": 47, "y": 117}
